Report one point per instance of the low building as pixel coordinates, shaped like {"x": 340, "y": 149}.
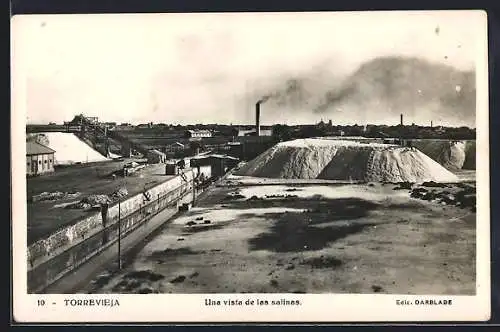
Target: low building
{"x": 251, "y": 132}
{"x": 39, "y": 159}
{"x": 439, "y": 130}
{"x": 124, "y": 126}
{"x": 171, "y": 168}
{"x": 92, "y": 119}
{"x": 155, "y": 157}
{"x": 219, "y": 164}
{"x": 198, "y": 133}
{"x": 174, "y": 147}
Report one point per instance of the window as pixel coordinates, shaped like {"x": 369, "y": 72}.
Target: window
{"x": 39, "y": 162}
{"x": 28, "y": 164}
{"x": 45, "y": 161}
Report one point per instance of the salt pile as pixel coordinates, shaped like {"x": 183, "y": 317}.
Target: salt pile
{"x": 345, "y": 161}
{"x": 114, "y": 155}
{"x": 452, "y": 155}
{"x": 70, "y": 149}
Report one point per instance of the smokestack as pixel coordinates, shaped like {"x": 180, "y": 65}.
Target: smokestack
{"x": 257, "y": 119}
{"x": 431, "y": 123}
{"x": 401, "y": 118}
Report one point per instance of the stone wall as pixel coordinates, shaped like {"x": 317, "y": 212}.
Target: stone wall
{"x": 63, "y": 251}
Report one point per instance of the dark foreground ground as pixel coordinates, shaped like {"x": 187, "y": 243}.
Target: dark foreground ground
{"x": 45, "y": 217}
{"x": 306, "y": 239}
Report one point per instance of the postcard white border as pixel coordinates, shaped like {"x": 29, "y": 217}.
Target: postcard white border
{"x": 191, "y": 308}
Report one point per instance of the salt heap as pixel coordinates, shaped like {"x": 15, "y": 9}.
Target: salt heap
{"x": 452, "y": 155}
{"x": 70, "y": 149}
{"x": 345, "y": 161}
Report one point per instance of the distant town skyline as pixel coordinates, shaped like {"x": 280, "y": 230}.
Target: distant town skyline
{"x": 212, "y": 68}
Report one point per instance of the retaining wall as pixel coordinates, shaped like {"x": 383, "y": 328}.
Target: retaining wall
{"x": 63, "y": 251}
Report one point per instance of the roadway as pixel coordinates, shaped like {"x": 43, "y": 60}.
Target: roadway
{"x": 75, "y": 281}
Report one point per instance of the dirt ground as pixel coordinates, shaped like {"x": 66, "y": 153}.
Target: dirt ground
{"x": 95, "y": 178}
{"x": 306, "y": 239}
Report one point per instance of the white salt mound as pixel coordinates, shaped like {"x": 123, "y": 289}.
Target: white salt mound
{"x": 114, "y": 155}
{"x": 345, "y": 161}
{"x": 70, "y": 149}
{"x": 452, "y": 155}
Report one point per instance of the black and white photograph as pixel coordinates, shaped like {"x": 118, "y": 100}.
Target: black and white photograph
{"x": 283, "y": 155}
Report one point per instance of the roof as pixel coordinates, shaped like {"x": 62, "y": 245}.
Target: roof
{"x": 34, "y": 148}
{"x": 216, "y": 156}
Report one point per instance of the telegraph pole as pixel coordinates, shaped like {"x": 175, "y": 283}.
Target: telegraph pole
{"x": 119, "y": 236}
{"x": 194, "y": 187}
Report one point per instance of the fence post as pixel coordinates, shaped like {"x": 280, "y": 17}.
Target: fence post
{"x": 119, "y": 236}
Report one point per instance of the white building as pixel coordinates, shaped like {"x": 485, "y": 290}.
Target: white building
{"x": 198, "y": 133}
{"x": 251, "y": 132}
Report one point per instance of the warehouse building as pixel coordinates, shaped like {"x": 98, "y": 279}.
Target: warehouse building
{"x": 219, "y": 164}
{"x": 39, "y": 159}
{"x": 198, "y": 133}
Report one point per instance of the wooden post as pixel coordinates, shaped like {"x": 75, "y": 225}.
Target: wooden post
{"x": 194, "y": 188}
{"x": 119, "y": 236}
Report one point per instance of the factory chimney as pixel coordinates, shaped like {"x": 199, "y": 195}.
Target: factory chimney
{"x": 401, "y": 118}
{"x": 257, "y": 118}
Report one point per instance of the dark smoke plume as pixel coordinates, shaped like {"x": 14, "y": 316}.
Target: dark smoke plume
{"x": 335, "y": 97}
{"x": 388, "y": 86}
{"x": 263, "y": 99}
{"x": 295, "y": 93}
{"x": 379, "y": 90}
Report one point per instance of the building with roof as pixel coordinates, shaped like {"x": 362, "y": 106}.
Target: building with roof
{"x": 174, "y": 147}
{"x": 198, "y": 133}
{"x": 251, "y": 132}
{"x": 155, "y": 157}
{"x": 39, "y": 159}
{"x": 219, "y": 164}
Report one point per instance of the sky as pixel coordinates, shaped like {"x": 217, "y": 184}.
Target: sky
{"x": 211, "y": 68}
